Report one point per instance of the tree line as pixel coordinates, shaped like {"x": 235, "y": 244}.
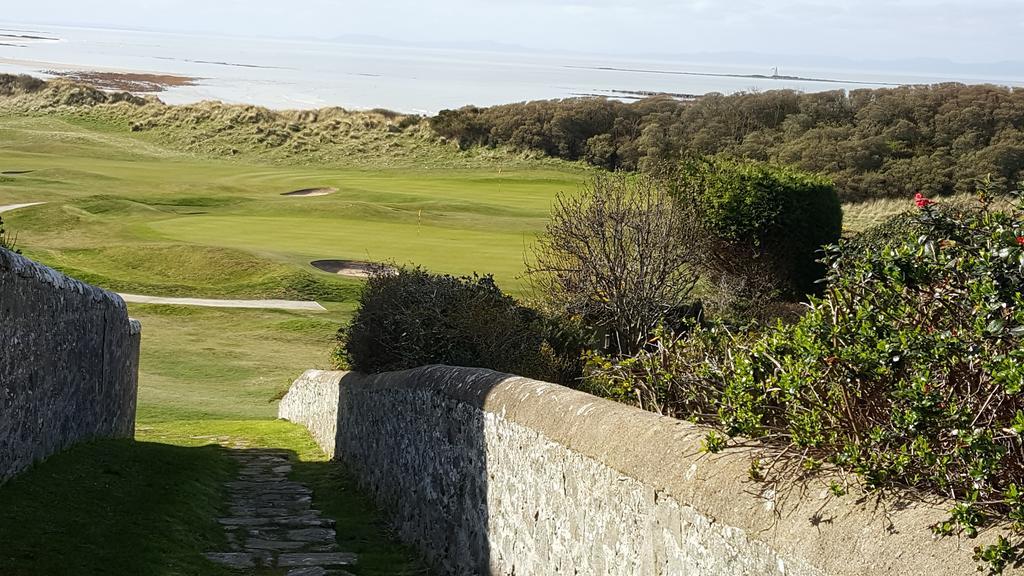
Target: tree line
{"x": 890, "y": 142}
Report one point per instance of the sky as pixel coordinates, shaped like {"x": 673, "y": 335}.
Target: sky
{"x": 957, "y": 30}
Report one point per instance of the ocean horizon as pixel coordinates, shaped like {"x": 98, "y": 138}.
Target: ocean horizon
{"x": 304, "y": 74}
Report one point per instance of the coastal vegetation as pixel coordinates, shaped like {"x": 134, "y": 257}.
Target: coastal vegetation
{"x": 874, "y": 143}
{"x": 311, "y": 138}
{"x": 126, "y": 210}
{"x": 906, "y": 371}
{"x": 903, "y": 374}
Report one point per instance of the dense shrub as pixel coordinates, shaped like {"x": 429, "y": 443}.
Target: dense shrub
{"x": 764, "y": 224}
{"x": 872, "y": 142}
{"x": 909, "y": 371}
{"x": 410, "y": 318}
{"x": 677, "y": 374}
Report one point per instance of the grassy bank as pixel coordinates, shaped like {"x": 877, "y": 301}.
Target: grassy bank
{"x": 147, "y": 507}
{"x": 115, "y": 507}
{"x": 221, "y": 364}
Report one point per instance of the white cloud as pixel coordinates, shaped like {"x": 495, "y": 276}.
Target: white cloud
{"x": 956, "y": 29}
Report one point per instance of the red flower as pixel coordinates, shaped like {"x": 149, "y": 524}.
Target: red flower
{"x": 1020, "y": 240}
{"x": 921, "y": 201}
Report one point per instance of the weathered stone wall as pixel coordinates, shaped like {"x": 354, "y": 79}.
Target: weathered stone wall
{"x": 491, "y": 474}
{"x": 68, "y": 364}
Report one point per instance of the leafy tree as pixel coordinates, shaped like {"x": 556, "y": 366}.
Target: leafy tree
{"x": 887, "y": 142}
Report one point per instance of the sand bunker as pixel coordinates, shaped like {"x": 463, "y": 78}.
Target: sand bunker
{"x": 350, "y": 268}
{"x": 311, "y": 192}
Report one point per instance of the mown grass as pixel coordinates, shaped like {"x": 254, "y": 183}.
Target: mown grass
{"x": 115, "y": 507}
{"x": 209, "y": 363}
{"x": 159, "y": 220}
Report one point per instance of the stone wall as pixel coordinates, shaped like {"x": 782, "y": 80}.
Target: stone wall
{"x": 491, "y": 474}
{"x": 68, "y": 364}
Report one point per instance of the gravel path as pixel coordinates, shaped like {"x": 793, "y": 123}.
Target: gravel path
{"x": 209, "y": 303}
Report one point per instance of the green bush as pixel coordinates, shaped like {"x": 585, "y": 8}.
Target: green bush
{"x": 762, "y": 220}
{"x": 908, "y": 370}
{"x": 410, "y": 318}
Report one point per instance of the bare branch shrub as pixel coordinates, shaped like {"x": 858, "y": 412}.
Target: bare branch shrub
{"x": 620, "y": 256}
{"x": 8, "y": 241}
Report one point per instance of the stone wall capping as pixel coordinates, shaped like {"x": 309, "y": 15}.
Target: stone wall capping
{"x": 742, "y": 526}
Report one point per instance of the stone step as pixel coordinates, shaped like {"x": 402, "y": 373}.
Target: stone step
{"x": 316, "y": 559}
{"x": 238, "y": 559}
{"x": 317, "y": 571}
{"x": 276, "y": 545}
{"x": 299, "y": 521}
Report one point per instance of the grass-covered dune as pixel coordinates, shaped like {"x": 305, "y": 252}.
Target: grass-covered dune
{"x": 328, "y": 136}
{"x": 180, "y": 200}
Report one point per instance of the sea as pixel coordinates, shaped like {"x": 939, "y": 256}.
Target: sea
{"x": 309, "y": 73}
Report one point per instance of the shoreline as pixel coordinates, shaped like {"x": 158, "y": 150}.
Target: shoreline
{"x": 104, "y": 78}
{"x": 134, "y": 82}
{"x": 730, "y": 75}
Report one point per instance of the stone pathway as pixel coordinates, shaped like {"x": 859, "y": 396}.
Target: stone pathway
{"x": 272, "y": 523}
